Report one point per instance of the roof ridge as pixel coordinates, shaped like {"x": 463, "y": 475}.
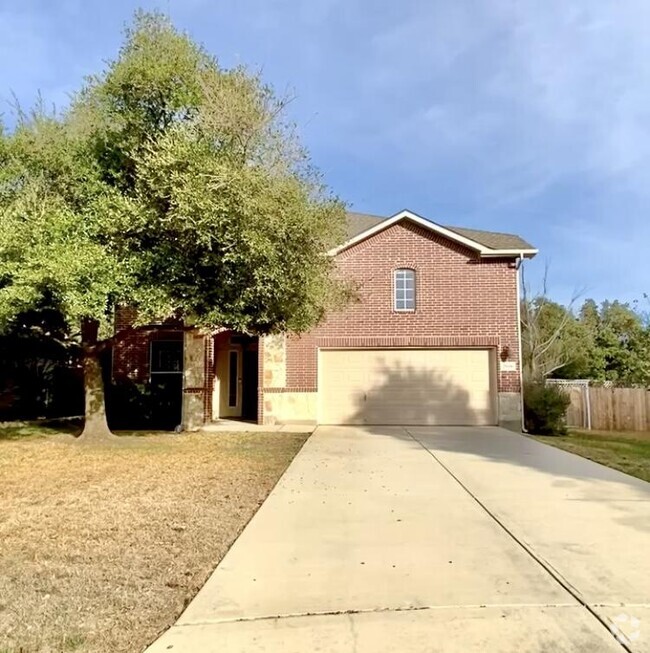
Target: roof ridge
{"x": 368, "y": 215}
{"x": 482, "y": 231}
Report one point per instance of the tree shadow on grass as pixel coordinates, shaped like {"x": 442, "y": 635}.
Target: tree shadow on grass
{"x": 40, "y": 429}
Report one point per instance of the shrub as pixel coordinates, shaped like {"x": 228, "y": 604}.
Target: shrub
{"x": 545, "y": 409}
{"x": 154, "y": 406}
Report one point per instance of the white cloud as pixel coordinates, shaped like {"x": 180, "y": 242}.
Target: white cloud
{"x": 517, "y": 115}
{"x": 531, "y": 91}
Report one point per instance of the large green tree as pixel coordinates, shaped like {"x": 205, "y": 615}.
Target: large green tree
{"x": 621, "y": 343}
{"x": 170, "y": 185}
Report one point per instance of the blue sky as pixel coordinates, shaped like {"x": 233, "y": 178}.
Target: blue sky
{"x": 527, "y": 116}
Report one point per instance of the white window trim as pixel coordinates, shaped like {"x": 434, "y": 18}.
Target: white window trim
{"x": 413, "y": 271}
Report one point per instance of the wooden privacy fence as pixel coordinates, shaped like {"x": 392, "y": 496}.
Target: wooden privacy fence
{"x": 609, "y": 409}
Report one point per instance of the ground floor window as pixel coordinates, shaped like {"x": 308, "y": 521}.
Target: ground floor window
{"x": 166, "y": 356}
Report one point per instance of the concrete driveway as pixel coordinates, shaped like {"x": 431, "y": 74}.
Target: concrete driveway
{"x": 426, "y": 539}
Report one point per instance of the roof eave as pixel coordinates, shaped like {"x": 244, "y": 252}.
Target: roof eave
{"x": 509, "y": 253}
{"x": 432, "y": 226}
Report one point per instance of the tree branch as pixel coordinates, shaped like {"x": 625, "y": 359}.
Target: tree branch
{"x": 122, "y": 334}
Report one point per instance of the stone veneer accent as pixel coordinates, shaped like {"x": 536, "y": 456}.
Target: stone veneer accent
{"x": 290, "y": 407}
{"x": 194, "y": 380}
{"x": 510, "y": 410}
{"x": 274, "y": 358}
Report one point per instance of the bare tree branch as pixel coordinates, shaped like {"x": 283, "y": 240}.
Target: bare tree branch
{"x": 544, "y": 352}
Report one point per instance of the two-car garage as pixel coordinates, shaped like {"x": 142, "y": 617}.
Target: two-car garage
{"x": 407, "y": 386}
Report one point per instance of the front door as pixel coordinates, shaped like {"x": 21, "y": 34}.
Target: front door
{"x": 231, "y": 382}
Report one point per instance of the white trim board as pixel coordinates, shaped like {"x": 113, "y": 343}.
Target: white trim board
{"x": 438, "y": 229}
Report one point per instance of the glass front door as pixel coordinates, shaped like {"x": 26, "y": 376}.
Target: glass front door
{"x": 230, "y": 378}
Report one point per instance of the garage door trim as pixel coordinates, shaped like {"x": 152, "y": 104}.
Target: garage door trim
{"x": 488, "y": 413}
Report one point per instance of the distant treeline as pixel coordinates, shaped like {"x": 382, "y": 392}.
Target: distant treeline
{"x": 606, "y": 342}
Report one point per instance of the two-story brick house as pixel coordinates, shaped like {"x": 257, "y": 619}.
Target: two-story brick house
{"x": 432, "y": 338}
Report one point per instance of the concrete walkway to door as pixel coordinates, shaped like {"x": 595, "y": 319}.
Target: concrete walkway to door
{"x": 432, "y": 539}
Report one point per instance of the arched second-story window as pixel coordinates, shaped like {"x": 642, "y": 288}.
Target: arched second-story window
{"x": 404, "y": 289}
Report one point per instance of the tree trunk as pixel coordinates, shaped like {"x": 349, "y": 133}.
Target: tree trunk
{"x": 95, "y": 424}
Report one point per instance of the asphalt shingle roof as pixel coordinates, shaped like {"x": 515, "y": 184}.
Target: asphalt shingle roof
{"x": 359, "y": 222}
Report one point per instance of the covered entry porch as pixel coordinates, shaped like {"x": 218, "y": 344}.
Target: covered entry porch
{"x": 220, "y": 378}
{"x": 236, "y": 377}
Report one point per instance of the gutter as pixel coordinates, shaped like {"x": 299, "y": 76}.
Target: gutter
{"x": 519, "y": 263}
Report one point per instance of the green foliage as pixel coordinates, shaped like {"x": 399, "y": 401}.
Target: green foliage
{"x": 615, "y": 342}
{"x": 610, "y": 342}
{"x": 622, "y": 346}
{"x": 40, "y": 375}
{"x": 171, "y": 185}
{"x": 545, "y": 409}
{"x": 51, "y": 232}
{"x": 153, "y": 406}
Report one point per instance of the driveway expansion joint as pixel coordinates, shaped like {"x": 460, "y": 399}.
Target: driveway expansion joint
{"x": 604, "y": 621}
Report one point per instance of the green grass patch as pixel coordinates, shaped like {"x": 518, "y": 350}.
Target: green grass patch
{"x": 38, "y": 429}
{"x": 627, "y": 452}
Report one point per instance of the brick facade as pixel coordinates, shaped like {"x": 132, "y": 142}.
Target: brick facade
{"x": 462, "y": 301}
{"x": 130, "y": 357}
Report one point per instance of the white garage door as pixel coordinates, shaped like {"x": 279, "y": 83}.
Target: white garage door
{"x": 406, "y": 386}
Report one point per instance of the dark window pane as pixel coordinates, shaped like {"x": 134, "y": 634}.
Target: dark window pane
{"x": 166, "y": 356}
{"x": 232, "y": 378}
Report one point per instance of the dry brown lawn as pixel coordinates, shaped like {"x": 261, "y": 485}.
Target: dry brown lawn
{"x": 102, "y": 546}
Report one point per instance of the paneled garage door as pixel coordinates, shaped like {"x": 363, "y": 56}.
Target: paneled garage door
{"x": 406, "y": 386}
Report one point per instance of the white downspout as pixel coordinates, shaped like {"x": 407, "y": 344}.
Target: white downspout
{"x": 520, "y": 261}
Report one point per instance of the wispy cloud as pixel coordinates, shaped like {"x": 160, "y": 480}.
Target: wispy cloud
{"x": 523, "y": 116}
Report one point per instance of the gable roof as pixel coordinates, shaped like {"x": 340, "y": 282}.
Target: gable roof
{"x": 493, "y": 239}
{"x": 360, "y": 222}
{"x": 488, "y": 243}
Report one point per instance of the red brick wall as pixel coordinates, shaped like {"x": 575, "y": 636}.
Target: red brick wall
{"x": 210, "y": 358}
{"x": 131, "y": 355}
{"x": 461, "y": 301}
